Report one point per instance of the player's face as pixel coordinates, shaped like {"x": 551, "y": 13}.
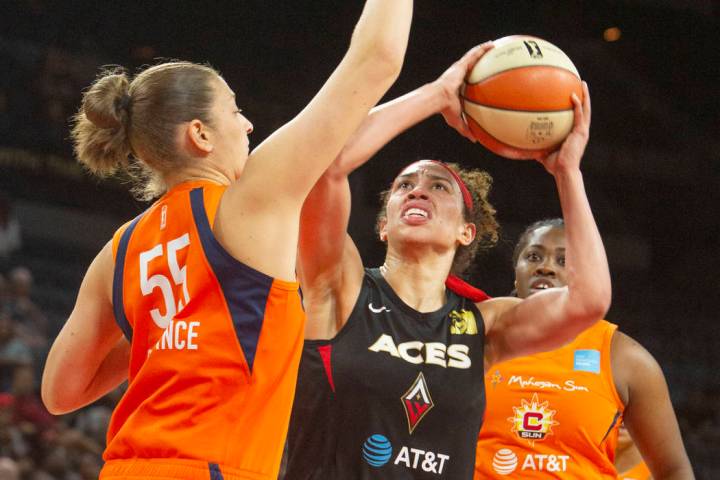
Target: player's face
{"x": 541, "y": 264}
{"x": 425, "y": 206}
{"x": 232, "y": 141}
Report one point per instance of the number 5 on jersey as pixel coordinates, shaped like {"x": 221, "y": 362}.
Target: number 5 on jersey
{"x": 158, "y": 280}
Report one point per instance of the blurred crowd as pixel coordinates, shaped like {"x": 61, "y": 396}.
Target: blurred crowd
{"x": 35, "y": 445}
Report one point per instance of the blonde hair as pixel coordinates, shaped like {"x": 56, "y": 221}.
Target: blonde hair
{"x": 130, "y": 125}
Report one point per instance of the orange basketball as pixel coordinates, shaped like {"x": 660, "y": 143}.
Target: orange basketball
{"x": 516, "y": 99}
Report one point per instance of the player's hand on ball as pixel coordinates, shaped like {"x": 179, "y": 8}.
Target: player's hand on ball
{"x": 568, "y": 156}
{"x": 451, "y": 81}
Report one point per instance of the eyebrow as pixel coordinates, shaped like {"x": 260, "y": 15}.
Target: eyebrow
{"x": 431, "y": 175}
{"x": 542, "y": 247}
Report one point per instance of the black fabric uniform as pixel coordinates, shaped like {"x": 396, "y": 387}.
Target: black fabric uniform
{"x": 397, "y": 394}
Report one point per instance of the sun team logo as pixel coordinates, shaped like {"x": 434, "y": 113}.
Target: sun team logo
{"x": 533, "y": 420}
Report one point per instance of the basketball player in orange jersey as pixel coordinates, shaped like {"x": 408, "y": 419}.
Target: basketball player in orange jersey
{"x": 628, "y": 460}
{"x": 391, "y": 381}
{"x": 556, "y": 414}
{"x": 195, "y": 301}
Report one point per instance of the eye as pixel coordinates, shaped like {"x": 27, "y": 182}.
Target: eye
{"x": 440, "y": 186}
{"x": 561, "y": 260}
{"x": 404, "y": 185}
{"x": 532, "y": 257}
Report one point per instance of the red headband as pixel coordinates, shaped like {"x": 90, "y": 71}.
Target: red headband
{"x": 467, "y": 197}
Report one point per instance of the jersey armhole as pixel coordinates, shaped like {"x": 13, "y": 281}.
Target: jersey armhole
{"x": 350, "y": 323}
{"x": 121, "y": 240}
{"x": 610, "y": 330}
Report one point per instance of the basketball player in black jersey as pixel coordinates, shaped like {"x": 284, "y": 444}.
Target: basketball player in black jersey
{"x": 391, "y": 379}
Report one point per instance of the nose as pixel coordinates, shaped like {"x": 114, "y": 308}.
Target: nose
{"x": 417, "y": 192}
{"x": 249, "y": 127}
{"x": 545, "y": 270}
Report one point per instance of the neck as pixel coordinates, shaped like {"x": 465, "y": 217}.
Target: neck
{"x": 200, "y": 168}
{"x": 199, "y": 172}
{"x": 420, "y": 284}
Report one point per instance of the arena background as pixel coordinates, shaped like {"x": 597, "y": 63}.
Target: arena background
{"x": 652, "y": 168}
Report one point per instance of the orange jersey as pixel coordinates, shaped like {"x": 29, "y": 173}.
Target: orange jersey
{"x": 638, "y": 472}
{"x": 215, "y": 348}
{"x": 553, "y": 414}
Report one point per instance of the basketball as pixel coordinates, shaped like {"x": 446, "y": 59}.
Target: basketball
{"x": 516, "y": 99}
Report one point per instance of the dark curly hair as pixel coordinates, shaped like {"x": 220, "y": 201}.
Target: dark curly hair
{"x": 525, "y": 236}
{"x": 479, "y": 183}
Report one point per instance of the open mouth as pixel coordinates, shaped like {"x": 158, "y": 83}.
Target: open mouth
{"x": 541, "y": 284}
{"x": 415, "y": 212}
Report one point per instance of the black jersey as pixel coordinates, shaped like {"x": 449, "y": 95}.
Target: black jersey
{"x": 397, "y": 394}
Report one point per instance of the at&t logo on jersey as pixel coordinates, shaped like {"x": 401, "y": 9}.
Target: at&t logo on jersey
{"x": 506, "y": 462}
{"x": 533, "y": 420}
{"x": 377, "y": 451}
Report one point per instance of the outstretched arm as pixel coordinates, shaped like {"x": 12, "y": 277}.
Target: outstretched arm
{"x": 330, "y": 267}
{"x": 390, "y": 119}
{"x": 265, "y": 202}
{"x": 649, "y": 414}
{"x": 295, "y": 156}
{"x": 548, "y": 319}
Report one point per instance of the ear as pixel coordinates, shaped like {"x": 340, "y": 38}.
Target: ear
{"x": 467, "y": 234}
{"x": 382, "y": 229}
{"x": 198, "y": 137}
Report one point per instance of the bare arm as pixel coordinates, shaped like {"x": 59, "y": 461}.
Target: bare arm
{"x": 330, "y": 266}
{"x": 257, "y": 220}
{"x": 649, "y": 414}
{"x": 390, "y": 119}
{"x": 295, "y": 156}
{"x": 548, "y": 319}
{"x": 90, "y": 356}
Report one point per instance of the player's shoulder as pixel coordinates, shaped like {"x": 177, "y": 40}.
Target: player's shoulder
{"x": 492, "y": 308}
{"x": 634, "y": 360}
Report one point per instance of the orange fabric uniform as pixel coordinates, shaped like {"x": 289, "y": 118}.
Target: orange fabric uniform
{"x": 215, "y": 348}
{"x": 553, "y": 414}
{"x": 638, "y": 472}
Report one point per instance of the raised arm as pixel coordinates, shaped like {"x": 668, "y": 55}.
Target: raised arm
{"x": 90, "y": 345}
{"x": 641, "y": 384}
{"x": 548, "y": 319}
{"x": 330, "y": 267}
{"x": 295, "y": 156}
{"x": 257, "y": 220}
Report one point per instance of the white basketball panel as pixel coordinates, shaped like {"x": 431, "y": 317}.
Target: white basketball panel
{"x": 516, "y": 52}
{"x": 525, "y": 130}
